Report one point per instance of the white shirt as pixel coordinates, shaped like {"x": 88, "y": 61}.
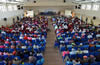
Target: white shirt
{"x": 89, "y": 36}
{"x": 23, "y": 47}
{"x": 65, "y": 26}
{"x": 20, "y": 37}
{"x": 85, "y": 51}
{"x": 98, "y": 35}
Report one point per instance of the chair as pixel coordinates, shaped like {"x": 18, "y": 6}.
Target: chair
{"x": 26, "y": 55}
{"x": 96, "y": 53}
{"x": 27, "y": 64}
{"x": 73, "y": 56}
{"x": 92, "y": 53}
{"x": 77, "y": 43}
{"x": 39, "y": 63}
{"x": 86, "y": 54}
{"x": 62, "y": 49}
{"x": 11, "y": 50}
{"x": 97, "y": 47}
{"x": 11, "y": 57}
{"x": 68, "y": 64}
{"x": 86, "y": 46}
{"x": 14, "y": 64}
{"x": 56, "y": 44}
{"x": 2, "y": 49}
{"x": 78, "y": 64}
{"x": 75, "y": 48}
{"x": 2, "y": 63}
{"x": 42, "y": 48}
{"x": 0, "y": 57}
{"x": 98, "y": 63}
{"x": 92, "y": 48}
{"x": 5, "y": 56}
{"x": 69, "y": 48}
{"x": 80, "y": 55}
{"x": 86, "y": 64}
{"x": 94, "y": 63}
{"x": 29, "y": 49}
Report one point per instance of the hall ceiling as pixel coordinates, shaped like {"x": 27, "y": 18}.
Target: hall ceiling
{"x": 48, "y": 3}
{"x": 86, "y": 1}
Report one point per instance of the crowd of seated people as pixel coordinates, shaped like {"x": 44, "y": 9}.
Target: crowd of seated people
{"x": 78, "y": 41}
{"x": 23, "y": 43}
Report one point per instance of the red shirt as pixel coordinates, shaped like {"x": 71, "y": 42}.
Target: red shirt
{"x": 25, "y": 37}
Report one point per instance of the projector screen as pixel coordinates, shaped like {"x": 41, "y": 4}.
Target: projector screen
{"x": 68, "y": 13}
{"x": 30, "y": 13}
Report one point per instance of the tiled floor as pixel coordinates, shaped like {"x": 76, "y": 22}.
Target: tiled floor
{"x": 52, "y": 55}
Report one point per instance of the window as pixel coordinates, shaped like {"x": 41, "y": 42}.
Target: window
{"x": 95, "y": 0}
{"x": 15, "y": 7}
{"x": 95, "y": 7}
{"x": 19, "y": 0}
{"x": 0, "y": 7}
{"x": 10, "y": 8}
{"x": 2, "y": 0}
{"x": 88, "y": 7}
{"x": 83, "y": 6}
{"x": 3, "y": 8}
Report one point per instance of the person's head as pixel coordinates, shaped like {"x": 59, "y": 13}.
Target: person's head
{"x": 7, "y": 59}
{"x": 0, "y": 60}
{"x": 15, "y": 58}
{"x": 76, "y": 60}
{"x": 91, "y": 56}
{"x": 78, "y": 48}
{"x": 71, "y": 59}
{"x": 84, "y": 57}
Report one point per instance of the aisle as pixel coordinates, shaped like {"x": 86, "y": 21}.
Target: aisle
{"x": 52, "y": 55}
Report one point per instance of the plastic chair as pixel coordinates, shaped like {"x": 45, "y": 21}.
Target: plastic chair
{"x": 92, "y": 48}
{"x": 86, "y": 54}
{"x": 56, "y": 44}
{"x": 69, "y": 48}
{"x": 14, "y": 64}
{"x": 86, "y": 64}
{"x": 92, "y": 53}
{"x": 98, "y": 63}
{"x": 97, "y": 47}
{"x": 27, "y": 64}
{"x": 94, "y": 63}
{"x": 62, "y": 49}
{"x": 5, "y": 56}
{"x": 80, "y": 55}
{"x": 2, "y": 63}
{"x": 96, "y": 53}
{"x": 68, "y": 64}
{"x": 78, "y": 64}
{"x": 73, "y": 56}
{"x": 39, "y": 63}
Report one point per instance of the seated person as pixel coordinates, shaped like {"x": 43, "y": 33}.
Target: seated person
{"x": 16, "y": 61}
{"x": 92, "y": 59}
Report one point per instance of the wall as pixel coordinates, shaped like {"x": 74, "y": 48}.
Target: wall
{"x": 10, "y": 15}
{"x": 48, "y": 3}
{"x": 89, "y": 14}
{"x": 38, "y": 9}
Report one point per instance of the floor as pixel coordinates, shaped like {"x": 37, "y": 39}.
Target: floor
{"x": 52, "y": 55}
